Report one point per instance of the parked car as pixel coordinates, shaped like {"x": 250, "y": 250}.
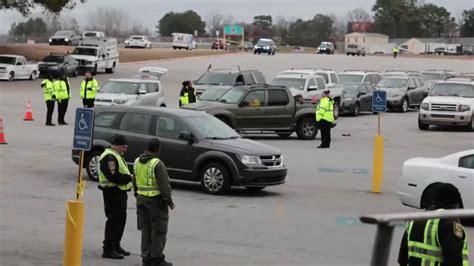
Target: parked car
{"x": 248, "y": 46}
{"x": 226, "y": 78}
{"x": 195, "y": 146}
{"x": 143, "y": 91}
{"x": 263, "y": 108}
{"x": 59, "y": 64}
{"x": 361, "y": 76}
{"x": 449, "y": 103}
{"x": 266, "y": 46}
{"x": 138, "y": 41}
{"x": 402, "y": 92}
{"x": 65, "y": 37}
{"x": 326, "y": 48}
{"x": 15, "y": 67}
{"x": 355, "y": 49}
{"x": 427, "y": 86}
{"x": 420, "y": 176}
{"x": 183, "y": 41}
{"x": 438, "y": 74}
{"x": 93, "y": 34}
{"x": 218, "y": 44}
{"x": 410, "y": 73}
{"x": 357, "y": 97}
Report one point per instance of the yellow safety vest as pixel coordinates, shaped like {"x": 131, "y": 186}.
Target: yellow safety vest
{"x": 325, "y": 110}
{"x": 48, "y": 90}
{"x": 184, "y": 99}
{"x": 123, "y": 168}
{"x": 147, "y": 184}
{"x": 85, "y": 92}
{"x": 60, "y": 86}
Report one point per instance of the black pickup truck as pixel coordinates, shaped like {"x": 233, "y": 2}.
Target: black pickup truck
{"x": 263, "y": 108}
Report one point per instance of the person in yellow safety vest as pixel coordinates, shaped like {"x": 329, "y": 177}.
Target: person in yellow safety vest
{"x": 187, "y": 94}
{"x": 63, "y": 94}
{"x": 153, "y": 192}
{"x": 395, "y": 52}
{"x": 442, "y": 242}
{"x": 115, "y": 180}
{"x": 89, "y": 87}
{"x": 49, "y": 94}
{"x": 325, "y": 118}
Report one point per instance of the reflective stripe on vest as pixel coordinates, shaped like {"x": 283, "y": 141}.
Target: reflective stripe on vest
{"x": 48, "y": 89}
{"x": 122, "y": 168}
{"x": 147, "y": 184}
{"x": 325, "y": 110}
{"x": 90, "y": 91}
{"x": 184, "y": 99}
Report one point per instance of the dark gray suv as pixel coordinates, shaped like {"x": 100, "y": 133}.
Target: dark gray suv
{"x": 195, "y": 147}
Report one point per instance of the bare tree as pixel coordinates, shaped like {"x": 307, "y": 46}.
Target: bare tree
{"x": 338, "y": 28}
{"x": 112, "y": 21}
{"x": 358, "y": 15}
{"x": 215, "y": 21}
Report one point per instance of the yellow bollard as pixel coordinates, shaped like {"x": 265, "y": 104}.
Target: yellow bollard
{"x": 73, "y": 235}
{"x": 377, "y": 175}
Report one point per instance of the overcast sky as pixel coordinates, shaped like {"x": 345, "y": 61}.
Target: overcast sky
{"x": 150, "y": 11}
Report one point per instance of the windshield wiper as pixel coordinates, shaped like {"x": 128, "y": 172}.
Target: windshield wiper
{"x": 215, "y": 138}
{"x": 223, "y": 101}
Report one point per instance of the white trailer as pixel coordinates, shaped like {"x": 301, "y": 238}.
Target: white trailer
{"x": 97, "y": 54}
{"x": 183, "y": 41}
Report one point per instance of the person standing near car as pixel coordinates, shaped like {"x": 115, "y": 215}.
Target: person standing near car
{"x": 325, "y": 118}
{"x": 395, "y": 52}
{"x": 115, "y": 181}
{"x": 153, "y": 192}
{"x": 49, "y": 94}
{"x": 89, "y": 87}
{"x": 187, "y": 94}
{"x": 63, "y": 94}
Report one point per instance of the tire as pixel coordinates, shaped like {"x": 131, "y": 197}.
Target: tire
{"x": 269, "y": 53}
{"x": 254, "y": 52}
{"x": 284, "y": 135}
{"x": 347, "y": 54}
{"x": 336, "y": 109}
{"x": 91, "y": 163}
{"x": 356, "y": 110}
{"x": 468, "y": 127}
{"x": 422, "y": 126}
{"x": 11, "y": 76}
{"x": 33, "y": 75}
{"x": 273, "y": 53}
{"x": 215, "y": 179}
{"x": 112, "y": 69}
{"x": 353, "y": 54}
{"x": 254, "y": 190}
{"x": 404, "y": 107}
{"x": 306, "y": 128}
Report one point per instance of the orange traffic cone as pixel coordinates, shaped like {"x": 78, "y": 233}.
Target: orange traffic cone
{"x": 2, "y": 135}
{"x": 29, "y": 112}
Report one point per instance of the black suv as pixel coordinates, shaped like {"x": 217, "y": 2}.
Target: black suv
{"x": 265, "y": 46}
{"x": 195, "y": 147}
{"x": 63, "y": 64}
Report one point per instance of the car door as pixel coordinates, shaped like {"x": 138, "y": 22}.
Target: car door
{"x": 251, "y": 112}
{"x": 137, "y": 129}
{"x": 370, "y": 93}
{"x": 463, "y": 179}
{"x": 364, "y": 98}
{"x": 278, "y": 113}
{"x": 147, "y": 94}
{"x": 411, "y": 92}
{"x": 419, "y": 90}
{"x": 21, "y": 71}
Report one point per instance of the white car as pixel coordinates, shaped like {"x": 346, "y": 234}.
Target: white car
{"x": 138, "y": 41}
{"x": 420, "y": 176}
{"x": 15, "y": 67}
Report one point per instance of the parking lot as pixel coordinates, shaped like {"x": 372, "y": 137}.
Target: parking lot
{"x": 310, "y": 220}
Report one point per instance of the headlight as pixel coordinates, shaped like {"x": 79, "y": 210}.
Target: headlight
{"x": 425, "y": 106}
{"x": 255, "y": 47}
{"x": 120, "y": 101}
{"x": 126, "y": 41}
{"x": 249, "y": 159}
{"x": 66, "y": 39}
{"x": 50, "y": 40}
{"x": 463, "y": 108}
{"x": 267, "y": 47}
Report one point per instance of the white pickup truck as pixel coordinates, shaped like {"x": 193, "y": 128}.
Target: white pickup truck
{"x": 97, "y": 54}
{"x": 15, "y": 67}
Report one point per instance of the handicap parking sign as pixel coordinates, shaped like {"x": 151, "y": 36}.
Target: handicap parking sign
{"x": 379, "y": 101}
{"x": 83, "y": 129}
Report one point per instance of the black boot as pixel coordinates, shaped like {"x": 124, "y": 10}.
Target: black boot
{"x": 122, "y": 251}
{"x": 112, "y": 255}
{"x": 161, "y": 262}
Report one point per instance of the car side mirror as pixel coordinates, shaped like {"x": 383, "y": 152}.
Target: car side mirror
{"x": 142, "y": 91}
{"x": 18, "y": 64}
{"x": 312, "y": 88}
{"x": 103, "y": 56}
{"x": 185, "y": 135}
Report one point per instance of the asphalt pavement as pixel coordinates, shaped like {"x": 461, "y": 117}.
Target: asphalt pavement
{"x": 310, "y": 220}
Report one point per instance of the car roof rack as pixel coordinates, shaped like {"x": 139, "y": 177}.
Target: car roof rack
{"x": 360, "y": 70}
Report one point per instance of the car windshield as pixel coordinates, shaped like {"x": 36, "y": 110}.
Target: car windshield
{"x": 85, "y": 51}
{"x": 264, "y": 43}
{"x": 351, "y": 88}
{"x": 290, "y": 83}
{"x": 7, "y": 60}
{"x": 433, "y": 76}
{"x": 90, "y": 34}
{"x": 137, "y": 37}
{"x": 54, "y": 59}
{"x": 429, "y": 84}
{"x": 212, "y": 94}
{"x": 212, "y": 128}
{"x": 122, "y": 87}
{"x": 352, "y": 46}
{"x": 392, "y": 74}
{"x": 213, "y": 78}
{"x": 392, "y": 83}
{"x": 345, "y": 78}
{"x": 325, "y": 77}
{"x": 453, "y": 89}
{"x": 63, "y": 33}
{"x": 233, "y": 95}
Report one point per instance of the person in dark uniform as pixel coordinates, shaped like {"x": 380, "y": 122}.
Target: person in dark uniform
{"x": 440, "y": 242}
{"x": 115, "y": 180}
{"x": 49, "y": 94}
{"x": 187, "y": 94}
{"x": 153, "y": 191}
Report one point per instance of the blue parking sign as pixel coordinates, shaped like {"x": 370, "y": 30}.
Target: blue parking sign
{"x": 379, "y": 101}
{"x": 83, "y": 129}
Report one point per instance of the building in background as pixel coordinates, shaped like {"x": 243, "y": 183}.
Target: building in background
{"x": 365, "y": 39}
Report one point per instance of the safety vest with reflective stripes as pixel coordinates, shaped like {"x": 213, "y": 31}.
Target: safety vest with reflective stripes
{"x": 48, "y": 89}
{"x": 122, "y": 168}
{"x": 184, "y": 99}
{"x": 429, "y": 251}
{"x": 147, "y": 184}
{"x": 60, "y": 86}
{"x": 90, "y": 91}
{"x": 325, "y": 110}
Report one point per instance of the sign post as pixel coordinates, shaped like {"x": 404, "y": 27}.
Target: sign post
{"x": 83, "y": 135}
{"x": 379, "y": 105}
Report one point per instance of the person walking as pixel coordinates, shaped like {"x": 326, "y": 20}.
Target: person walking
{"x": 187, "y": 94}
{"x": 49, "y": 97}
{"x": 63, "y": 94}
{"x": 395, "y": 52}
{"x": 440, "y": 242}
{"x": 114, "y": 181}
{"x": 325, "y": 118}
{"x": 153, "y": 190}
{"x": 89, "y": 87}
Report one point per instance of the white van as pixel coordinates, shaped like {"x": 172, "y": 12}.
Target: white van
{"x": 183, "y": 41}
{"x": 97, "y": 54}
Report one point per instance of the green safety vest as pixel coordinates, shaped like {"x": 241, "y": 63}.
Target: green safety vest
{"x": 85, "y": 92}
{"x": 60, "y": 86}
{"x": 429, "y": 251}
{"x": 123, "y": 168}
{"x": 48, "y": 89}
{"x": 325, "y": 110}
{"x": 145, "y": 177}
{"x": 184, "y": 99}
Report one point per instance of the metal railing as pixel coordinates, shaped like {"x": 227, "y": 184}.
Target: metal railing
{"x": 385, "y": 225}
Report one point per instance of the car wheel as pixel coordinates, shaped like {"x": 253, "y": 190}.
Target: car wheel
{"x": 347, "y": 54}
{"x": 422, "y": 126}
{"x": 254, "y": 52}
{"x": 11, "y": 76}
{"x": 404, "y": 107}
{"x": 92, "y": 165}
{"x": 95, "y": 70}
{"x": 284, "y": 135}
{"x": 356, "y": 110}
{"x": 469, "y": 127}
{"x": 306, "y": 128}
{"x": 215, "y": 179}
{"x": 273, "y": 53}
{"x": 254, "y": 190}
{"x": 33, "y": 75}
{"x": 336, "y": 109}
{"x": 429, "y": 195}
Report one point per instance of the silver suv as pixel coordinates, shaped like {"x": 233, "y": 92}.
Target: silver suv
{"x": 360, "y": 76}
{"x": 355, "y": 49}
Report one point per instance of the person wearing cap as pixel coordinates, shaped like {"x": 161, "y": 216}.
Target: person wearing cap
{"x": 63, "y": 94}
{"x": 89, "y": 87}
{"x": 49, "y": 94}
{"x": 153, "y": 192}
{"x": 440, "y": 242}
{"x": 187, "y": 94}
{"x": 325, "y": 118}
{"x": 114, "y": 181}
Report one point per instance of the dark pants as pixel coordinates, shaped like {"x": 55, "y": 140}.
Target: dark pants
{"x": 49, "y": 111}
{"x": 153, "y": 223}
{"x": 325, "y": 128}
{"x": 89, "y": 103}
{"x": 115, "y": 207}
{"x": 62, "y": 108}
